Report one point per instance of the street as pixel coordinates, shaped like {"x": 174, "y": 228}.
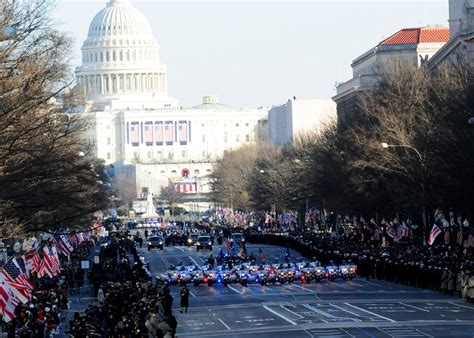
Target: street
{"x": 356, "y": 308}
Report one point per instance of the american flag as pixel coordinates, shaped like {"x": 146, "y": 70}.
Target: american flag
{"x": 169, "y": 132}
{"x": 435, "y": 231}
{"x": 460, "y": 236}
{"x": 134, "y": 134}
{"x": 8, "y": 301}
{"x": 158, "y": 133}
{"x": 148, "y": 133}
{"x": 405, "y": 232}
{"x": 63, "y": 245}
{"x": 79, "y": 237}
{"x": 242, "y": 254}
{"x": 17, "y": 281}
{"x": 227, "y": 246}
{"x": 51, "y": 265}
{"x": 182, "y": 132}
{"x": 447, "y": 237}
{"x": 470, "y": 240}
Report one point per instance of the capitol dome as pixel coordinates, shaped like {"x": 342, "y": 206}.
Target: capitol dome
{"x": 120, "y": 61}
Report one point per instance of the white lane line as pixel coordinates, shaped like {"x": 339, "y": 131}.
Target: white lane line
{"x": 373, "y": 283}
{"x": 180, "y": 249}
{"x": 191, "y": 258}
{"x": 306, "y": 289}
{"x": 371, "y": 313}
{"x": 280, "y": 315}
{"x": 227, "y": 326}
{"x": 235, "y": 290}
{"x": 461, "y": 305}
{"x": 342, "y": 309}
{"x": 415, "y": 307}
{"x": 296, "y": 314}
{"x": 322, "y": 313}
{"x": 192, "y": 294}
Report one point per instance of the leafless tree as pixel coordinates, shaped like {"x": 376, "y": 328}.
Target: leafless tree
{"x": 46, "y": 181}
{"x": 171, "y": 195}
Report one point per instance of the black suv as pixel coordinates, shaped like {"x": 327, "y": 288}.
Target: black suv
{"x": 204, "y": 242}
{"x": 155, "y": 242}
{"x": 192, "y": 239}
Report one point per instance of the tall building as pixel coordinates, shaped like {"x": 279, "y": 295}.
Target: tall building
{"x": 413, "y": 45}
{"x": 135, "y": 126}
{"x": 461, "y": 43}
{"x": 297, "y": 117}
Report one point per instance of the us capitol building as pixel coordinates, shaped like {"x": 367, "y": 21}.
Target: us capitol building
{"x": 135, "y": 126}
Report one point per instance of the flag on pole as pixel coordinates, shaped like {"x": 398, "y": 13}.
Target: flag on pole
{"x": 227, "y": 246}
{"x": 8, "y": 301}
{"x": 405, "y": 232}
{"x": 20, "y": 285}
{"x": 459, "y": 239}
{"x": 435, "y": 231}
{"x": 51, "y": 264}
{"x": 261, "y": 254}
{"x": 447, "y": 237}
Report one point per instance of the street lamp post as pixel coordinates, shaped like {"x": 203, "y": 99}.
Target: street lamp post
{"x": 422, "y": 183}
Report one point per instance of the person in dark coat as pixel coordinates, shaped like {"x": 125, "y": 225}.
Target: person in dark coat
{"x": 184, "y": 299}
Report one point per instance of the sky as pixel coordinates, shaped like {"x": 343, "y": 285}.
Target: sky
{"x": 261, "y": 52}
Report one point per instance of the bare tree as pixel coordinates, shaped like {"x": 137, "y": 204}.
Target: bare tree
{"x": 171, "y": 195}
{"x": 125, "y": 188}
{"x": 47, "y": 181}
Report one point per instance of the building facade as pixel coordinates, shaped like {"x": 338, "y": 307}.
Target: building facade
{"x": 297, "y": 117}
{"x": 460, "y": 46}
{"x": 412, "y": 45}
{"x": 135, "y": 125}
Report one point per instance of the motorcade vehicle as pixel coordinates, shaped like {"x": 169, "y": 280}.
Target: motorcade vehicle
{"x": 192, "y": 239}
{"x": 155, "y": 242}
{"x": 237, "y": 237}
{"x": 204, "y": 242}
{"x": 331, "y": 272}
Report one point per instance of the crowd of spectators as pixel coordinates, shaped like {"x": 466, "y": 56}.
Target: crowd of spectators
{"x": 129, "y": 304}
{"x": 441, "y": 267}
{"x": 42, "y": 315}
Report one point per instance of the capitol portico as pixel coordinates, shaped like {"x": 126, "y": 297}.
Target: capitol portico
{"x": 135, "y": 126}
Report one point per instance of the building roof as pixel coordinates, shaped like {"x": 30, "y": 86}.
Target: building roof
{"x": 212, "y": 106}
{"x": 417, "y": 36}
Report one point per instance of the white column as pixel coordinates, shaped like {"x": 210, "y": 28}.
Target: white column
{"x": 102, "y": 90}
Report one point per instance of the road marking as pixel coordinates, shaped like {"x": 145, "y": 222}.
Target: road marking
{"x": 323, "y": 313}
{"x": 296, "y": 314}
{"x": 306, "y": 289}
{"x": 235, "y": 290}
{"x": 191, "y": 258}
{"x": 461, "y": 305}
{"x": 342, "y": 309}
{"x": 180, "y": 249}
{"x": 373, "y": 283}
{"x": 370, "y": 313}
{"x": 280, "y": 315}
{"x": 192, "y": 294}
{"x": 415, "y": 307}
{"x": 227, "y": 326}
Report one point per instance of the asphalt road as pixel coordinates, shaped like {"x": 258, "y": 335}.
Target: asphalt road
{"x": 356, "y": 308}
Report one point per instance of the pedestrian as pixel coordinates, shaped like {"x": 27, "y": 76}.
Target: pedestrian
{"x": 451, "y": 282}
{"x": 211, "y": 261}
{"x": 444, "y": 281}
{"x": 184, "y": 299}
